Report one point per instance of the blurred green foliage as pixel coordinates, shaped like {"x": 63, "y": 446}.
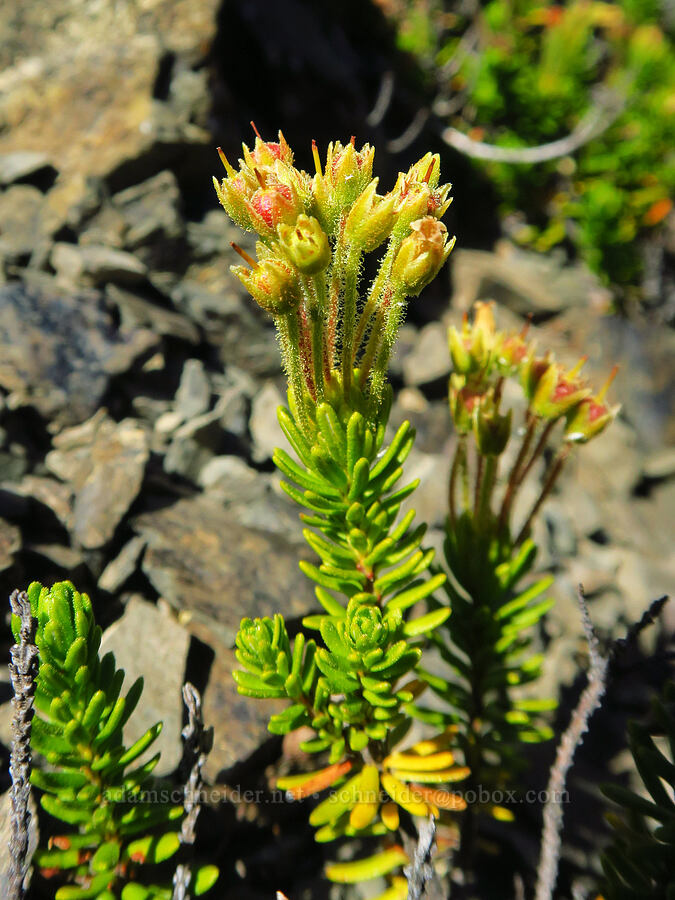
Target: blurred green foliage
{"x": 521, "y": 73}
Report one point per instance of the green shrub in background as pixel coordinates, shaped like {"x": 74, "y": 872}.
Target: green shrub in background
{"x": 524, "y": 73}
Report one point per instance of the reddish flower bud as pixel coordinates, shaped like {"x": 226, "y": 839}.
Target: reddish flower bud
{"x": 273, "y": 205}
{"x": 591, "y": 416}
{"x": 557, "y": 391}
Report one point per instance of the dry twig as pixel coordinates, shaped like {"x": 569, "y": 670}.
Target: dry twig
{"x": 420, "y": 871}
{"x": 23, "y": 671}
{"x": 198, "y": 743}
{"x": 547, "y": 872}
{"x": 597, "y": 119}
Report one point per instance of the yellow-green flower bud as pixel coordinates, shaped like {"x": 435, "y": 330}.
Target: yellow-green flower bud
{"x": 306, "y": 245}
{"x": 371, "y": 218}
{"x": 421, "y": 255}
{"x": 346, "y": 174}
{"x": 272, "y": 284}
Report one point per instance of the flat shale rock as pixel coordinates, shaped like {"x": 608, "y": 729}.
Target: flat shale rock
{"x": 149, "y": 643}
{"x": 96, "y": 265}
{"x": 204, "y": 561}
{"x": 20, "y": 221}
{"x": 23, "y": 166}
{"x": 103, "y": 461}
{"x": 239, "y": 723}
{"x": 78, "y": 350}
{"x": 524, "y": 281}
{"x": 83, "y": 85}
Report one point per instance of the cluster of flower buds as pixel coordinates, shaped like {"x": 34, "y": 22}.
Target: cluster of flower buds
{"x": 482, "y": 357}
{"x": 312, "y": 232}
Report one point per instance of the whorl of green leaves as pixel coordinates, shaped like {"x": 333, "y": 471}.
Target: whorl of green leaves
{"x": 89, "y": 781}
{"x": 350, "y": 486}
{"x": 485, "y": 642}
{"x": 639, "y": 862}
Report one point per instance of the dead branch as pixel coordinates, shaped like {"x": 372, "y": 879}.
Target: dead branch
{"x": 420, "y": 871}
{"x": 547, "y": 872}
{"x": 595, "y": 122}
{"x": 198, "y": 743}
{"x": 23, "y": 670}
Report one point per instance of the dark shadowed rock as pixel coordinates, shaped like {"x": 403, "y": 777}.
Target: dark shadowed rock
{"x": 150, "y": 210}
{"x": 78, "y": 350}
{"x": 239, "y": 723}
{"x": 104, "y": 464}
{"x": 10, "y": 542}
{"x": 136, "y": 311}
{"x": 149, "y": 643}
{"x": 205, "y": 562}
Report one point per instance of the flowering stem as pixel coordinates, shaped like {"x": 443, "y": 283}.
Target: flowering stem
{"x": 538, "y": 450}
{"x": 374, "y": 339}
{"x": 487, "y": 487}
{"x": 551, "y": 478}
{"x": 290, "y": 341}
{"x": 376, "y": 291}
{"x": 349, "y": 316}
{"x": 459, "y": 457}
{"x": 337, "y": 276}
{"x": 315, "y": 316}
{"x": 477, "y": 486}
{"x": 513, "y": 477}
{"x": 319, "y": 284}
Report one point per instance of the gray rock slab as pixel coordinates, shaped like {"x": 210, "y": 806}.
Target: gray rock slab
{"x": 10, "y": 543}
{"x": 96, "y": 265}
{"x": 149, "y": 643}
{"x": 206, "y": 563}
{"x": 79, "y": 350}
{"x": 151, "y": 210}
{"x": 22, "y": 165}
{"x": 194, "y": 391}
{"x": 263, "y": 424}
{"x": 20, "y": 221}
{"x": 122, "y": 567}
{"x": 104, "y": 462}
{"x": 429, "y": 358}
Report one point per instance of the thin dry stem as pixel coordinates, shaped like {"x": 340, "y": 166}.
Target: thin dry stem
{"x": 547, "y": 872}
{"x": 198, "y": 743}
{"x": 23, "y": 670}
